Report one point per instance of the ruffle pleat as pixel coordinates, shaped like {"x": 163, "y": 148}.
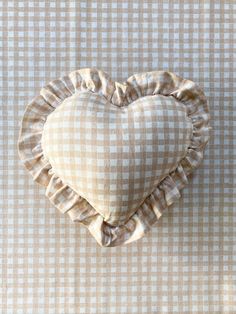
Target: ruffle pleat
{"x": 120, "y": 94}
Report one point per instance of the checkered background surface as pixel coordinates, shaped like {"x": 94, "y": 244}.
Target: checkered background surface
{"x": 187, "y": 263}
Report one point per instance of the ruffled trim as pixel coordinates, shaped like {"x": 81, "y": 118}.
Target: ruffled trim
{"x": 119, "y": 94}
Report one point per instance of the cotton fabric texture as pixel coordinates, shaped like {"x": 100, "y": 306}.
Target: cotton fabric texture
{"x": 115, "y": 156}
{"x": 186, "y": 264}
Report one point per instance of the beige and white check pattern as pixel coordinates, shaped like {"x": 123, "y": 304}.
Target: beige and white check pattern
{"x": 186, "y": 264}
{"x": 172, "y": 109}
{"x": 115, "y": 156}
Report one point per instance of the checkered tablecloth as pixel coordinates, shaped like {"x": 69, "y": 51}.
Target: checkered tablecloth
{"x": 187, "y": 263}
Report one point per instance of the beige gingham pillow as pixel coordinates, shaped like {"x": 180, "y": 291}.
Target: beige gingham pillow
{"x": 111, "y": 155}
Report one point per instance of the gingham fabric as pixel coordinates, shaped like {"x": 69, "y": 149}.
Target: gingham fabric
{"x": 115, "y": 156}
{"x": 186, "y": 263}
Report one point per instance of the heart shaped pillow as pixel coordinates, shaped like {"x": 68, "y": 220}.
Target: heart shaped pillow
{"x": 115, "y": 155}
